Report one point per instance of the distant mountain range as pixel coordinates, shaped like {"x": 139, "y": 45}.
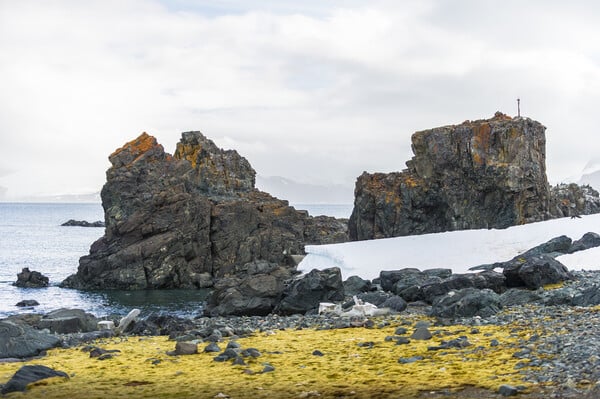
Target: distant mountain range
{"x": 62, "y": 198}
{"x": 305, "y": 193}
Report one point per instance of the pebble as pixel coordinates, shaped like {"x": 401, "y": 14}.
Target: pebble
{"x": 421, "y": 333}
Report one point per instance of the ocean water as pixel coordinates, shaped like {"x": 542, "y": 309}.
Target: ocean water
{"x": 31, "y": 236}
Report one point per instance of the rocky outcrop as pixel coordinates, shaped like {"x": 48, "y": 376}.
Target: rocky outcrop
{"x": 479, "y": 174}
{"x": 22, "y": 341}
{"x": 29, "y": 374}
{"x": 188, "y": 219}
{"x": 574, "y": 200}
{"x": 82, "y": 223}
{"x": 31, "y": 279}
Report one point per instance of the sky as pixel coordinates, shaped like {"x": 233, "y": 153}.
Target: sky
{"x": 314, "y": 91}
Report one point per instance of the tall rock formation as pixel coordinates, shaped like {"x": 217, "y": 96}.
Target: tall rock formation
{"x": 188, "y": 219}
{"x": 480, "y": 174}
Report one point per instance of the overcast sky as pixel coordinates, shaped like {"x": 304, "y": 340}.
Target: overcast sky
{"x": 315, "y": 91}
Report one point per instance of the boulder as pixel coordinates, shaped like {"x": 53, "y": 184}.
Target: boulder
{"x": 31, "y": 279}
{"x": 355, "y": 285}
{"x": 65, "y": 321}
{"x": 468, "y": 302}
{"x": 397, "y": 280}
{"x": 395, "y": 303}
{"x": 22, "y": 341}
{"x": 534, "y": 271}
{"x": 479, "y": 174}
{"x": 161, "y": 324}
{"x": 304, "y": 293}
{"x": 27, "y": 303}
{"x": 555, "y": 247}
{"x": 487, "y": 279}
{"x": 30, "y": 374}
{"x": 189, "y": 219}
{"x": 82, "y": 223}
{"x": 254, "y": 293}
{"x": 518, "y": 296}
{"x": 589, "y": 240}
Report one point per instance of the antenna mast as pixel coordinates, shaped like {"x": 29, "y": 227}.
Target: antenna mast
{"x": 518, "y": 107}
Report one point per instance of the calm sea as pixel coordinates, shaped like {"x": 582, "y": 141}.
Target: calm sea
{"x": 31, "y": 236}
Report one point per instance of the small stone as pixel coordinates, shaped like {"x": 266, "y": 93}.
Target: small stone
{"x": 250, "y": 352}
{"x": 233, "y": 345}
{"x": 421, "y": 333}
{"x": 402, "y": 341}
{"x": 186, "y": 348}
{"x": 268, "y": 368}
{"x": 494, "y": 342}
{"x": 507, "y": 390}
{"x": 239, "y": 361}
{"x": 368, "y": 344}
{"x": 400, "y": 331}
{"x": 317, "y": 353}
{"x": 212, "y": 347}
{"x": 407, "y": 360}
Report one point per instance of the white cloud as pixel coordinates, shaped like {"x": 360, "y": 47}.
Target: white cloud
{"x": 321, "y": 92}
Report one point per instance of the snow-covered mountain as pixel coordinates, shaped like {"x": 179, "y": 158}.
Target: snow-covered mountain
{"x": 457, "y": 250}
{"x": 591, "y": 174}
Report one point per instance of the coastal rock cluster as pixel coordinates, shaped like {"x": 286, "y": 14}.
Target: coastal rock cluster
{"x": 192, "y": 218}
{"x": 479, "y": 174}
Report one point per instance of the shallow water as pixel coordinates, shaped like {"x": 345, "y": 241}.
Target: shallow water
{"x": 31, "y": 236}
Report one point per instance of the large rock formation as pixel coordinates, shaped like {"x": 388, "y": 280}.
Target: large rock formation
{"x": 183, "y": 221}
{"x": 481, "y": 174}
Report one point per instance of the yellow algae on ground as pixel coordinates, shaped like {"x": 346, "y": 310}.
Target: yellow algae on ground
{"x": 142, "y": 369}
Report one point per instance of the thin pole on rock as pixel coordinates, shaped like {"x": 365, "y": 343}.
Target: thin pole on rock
{"x": 518, "y": 107}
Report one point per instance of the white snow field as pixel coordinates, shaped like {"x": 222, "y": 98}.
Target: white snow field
{"x": 456, "y": 250}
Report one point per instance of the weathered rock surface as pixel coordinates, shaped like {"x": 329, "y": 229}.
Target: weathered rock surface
{"x": 306, "y": 292}
{"x": 467, "y": 302}
{"x": 65, "y": 321}
{"x": 21, "y": 340}
{"x": 29, "y": 374}
{"x": 186, "y": 220}
{"x": 535, "y": 271}
{"x": 31, "y": 279}
{"x": 479, "y": 174}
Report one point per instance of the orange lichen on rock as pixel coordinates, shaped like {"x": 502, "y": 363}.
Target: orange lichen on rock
{"x": 480, "y": 143}
{"x": 188, "y": 152}
{"x": 136, "y": 148}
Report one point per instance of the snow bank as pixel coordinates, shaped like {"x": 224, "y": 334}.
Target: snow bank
{"x": 457, "y": 250}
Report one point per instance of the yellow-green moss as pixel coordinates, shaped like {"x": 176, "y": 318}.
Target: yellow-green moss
{"x": 142, "y": 369}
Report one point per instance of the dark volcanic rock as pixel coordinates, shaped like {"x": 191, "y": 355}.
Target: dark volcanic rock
{"x": 186, "y": 220}
{"x": 304, "y": 293}
{"x": 487, "y": 279}
{"x": 589, "y": 240}
{"x": 29, "y": 374}
{"x": 64, "y": 321}
{"x": 481, "y": 174}
{"x": 254, "y": 293}
{"x": 31, "y": 279}
{"x": 27, "y": 303}
{"x": 355, "y": 285}
{"x": 467, "y": 303}
{"x": 555, "y": 247}
{"x": 83, "y": 223}
{"x": 534, "y": 271}
{"x": 21, "y": 341}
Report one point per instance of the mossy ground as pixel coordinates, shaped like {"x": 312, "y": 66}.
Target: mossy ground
{"x": 143, "y": 369}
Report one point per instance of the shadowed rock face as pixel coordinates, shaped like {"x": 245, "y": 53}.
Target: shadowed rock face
{"x": 183, "y": 221}
{"x": 482, "y": 174}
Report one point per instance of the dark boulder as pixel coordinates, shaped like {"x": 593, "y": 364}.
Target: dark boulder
{"x": 355, "y": 285}
{"x": 160, "y": 324}
{"x": 518, "y": 296}
{"x": 65, "y": 321}
{"x": 534, "y": 271}
{"x": 31, "y": 279}
{"x": 82, "y": 223}
{"x": 589, "y": 240}
{"x": 468, "y": 302}
{"x": 27, "y": 303}
{"x": 254, "y": 293}
{"x": 189, "y": 219}
{"x": 395, "y": 303}
{"x": 487, "y": 279}
{"x": 397, "y": 280}
{"x": 29, "y": 374}
{"x": 555, "y": 247}
{"x": 22, "y": 341}
{"x": 376, "y": 298}
{"x": 304, "y": 293}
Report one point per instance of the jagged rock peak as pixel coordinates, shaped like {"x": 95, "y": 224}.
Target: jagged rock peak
{"x": 219, "y": 171}
{"x": 143, "y": 147}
